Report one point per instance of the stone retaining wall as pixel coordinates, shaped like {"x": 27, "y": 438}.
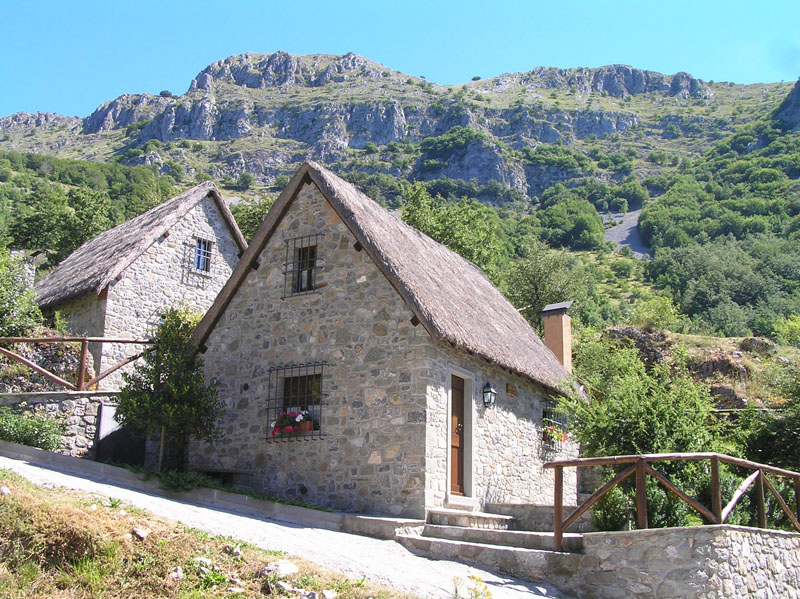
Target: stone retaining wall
{"x": 80, "y": 411}
{"x": 701, "y": 562}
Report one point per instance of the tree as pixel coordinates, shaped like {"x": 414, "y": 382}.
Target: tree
{"x": 19, "y": 312}
{"x": 630, "y": 410}
{"x": 250, "y": 213}
{"x": 167, "y": 392}
{"x": 543, "y": 276}
{"x": 245, "y": 180}
{"x": 467, "y": 227}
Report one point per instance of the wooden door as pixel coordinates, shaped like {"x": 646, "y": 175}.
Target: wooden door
{"x": 457, "y": 437}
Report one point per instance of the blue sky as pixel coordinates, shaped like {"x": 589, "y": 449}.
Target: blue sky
{"x": 69, "y": 57}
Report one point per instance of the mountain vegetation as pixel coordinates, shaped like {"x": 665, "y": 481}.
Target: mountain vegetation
{"x": 492, "y": 168}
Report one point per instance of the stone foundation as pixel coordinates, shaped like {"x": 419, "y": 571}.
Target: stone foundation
{"x": 701, "y": 562}
{"x": 80, "y": 411}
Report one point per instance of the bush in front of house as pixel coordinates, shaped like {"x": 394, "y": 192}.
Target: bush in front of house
{"x": 34, "y": 430}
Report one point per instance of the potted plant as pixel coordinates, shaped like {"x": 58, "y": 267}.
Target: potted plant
{"x": 289, "y": 423}
{"x": 554, "y": 434}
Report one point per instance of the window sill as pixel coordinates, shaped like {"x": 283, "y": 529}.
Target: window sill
{"x": 201, "y": 273}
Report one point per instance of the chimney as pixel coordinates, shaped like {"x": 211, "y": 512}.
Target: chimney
{"x": 558, "y": 332}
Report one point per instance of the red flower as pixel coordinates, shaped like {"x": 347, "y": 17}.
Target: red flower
{"x": 287, "y": 429}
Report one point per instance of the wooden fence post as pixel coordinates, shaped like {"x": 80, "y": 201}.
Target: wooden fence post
{"x": 762, "y": 513}
{"x": 641, "y": 494}
{"x": 796, "y": 481}
{"x": 716, "y": 490}
{"x": 82, "y": 365}
{"x": 558, "y": 508}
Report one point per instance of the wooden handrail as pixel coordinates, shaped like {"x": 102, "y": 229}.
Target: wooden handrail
{"x": 81, "y": 383}
{"x": 73, "y": 339}
{"x": 640, "y": 465}
{"x": 669, "y": 457}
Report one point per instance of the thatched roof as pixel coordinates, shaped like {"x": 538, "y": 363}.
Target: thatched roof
{"x": 100, "y": 260}
{"x": 452, "y": 298}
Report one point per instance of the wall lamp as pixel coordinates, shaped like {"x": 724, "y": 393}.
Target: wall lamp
{"x": 489, "y": 395}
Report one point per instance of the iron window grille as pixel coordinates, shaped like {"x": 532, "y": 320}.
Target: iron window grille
{"x": 202, "y": 255}
{"x": 295, "y": 401}
{"x": 554, "y": 427}
{"x": 302, "y": 265}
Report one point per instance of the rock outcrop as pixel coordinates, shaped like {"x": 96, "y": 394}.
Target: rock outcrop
{"x": 788, "y": 113}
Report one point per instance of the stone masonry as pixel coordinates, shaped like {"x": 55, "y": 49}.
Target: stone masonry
{"x": 383, "y": 446}
{"x": 163, "y": 276}
{"x": 701, "y": 562}
{"x": 79, "y": 411}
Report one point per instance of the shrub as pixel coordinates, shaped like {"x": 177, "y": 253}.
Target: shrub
{"x": 34, "y": 430}
{"x": 19, "y": 312}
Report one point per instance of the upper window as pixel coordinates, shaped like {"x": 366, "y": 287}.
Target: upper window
{"x": 302, "y": 265}
{"x": 202, "y": 255}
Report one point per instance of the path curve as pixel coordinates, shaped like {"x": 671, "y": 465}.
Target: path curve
{"x": 627, "y": 233}
{"x": 382, "y": 562}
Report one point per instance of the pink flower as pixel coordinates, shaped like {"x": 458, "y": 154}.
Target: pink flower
{"x": 287, "y": 429}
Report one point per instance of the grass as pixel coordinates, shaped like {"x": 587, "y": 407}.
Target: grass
{"x": 62, "y": 544}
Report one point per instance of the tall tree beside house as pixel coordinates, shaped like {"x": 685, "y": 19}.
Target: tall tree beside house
{"x": 19, "y": 312}
{"x": 467, "y": 227}
{"x": 166, "y": 394}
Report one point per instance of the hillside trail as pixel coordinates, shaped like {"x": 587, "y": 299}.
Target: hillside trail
{"x": 627, "y": 233}
{"x": 382, "y": 562}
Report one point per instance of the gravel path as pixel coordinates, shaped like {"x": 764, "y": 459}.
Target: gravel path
{"x": 382, "y": 562}
{"x": 627, "y": 233}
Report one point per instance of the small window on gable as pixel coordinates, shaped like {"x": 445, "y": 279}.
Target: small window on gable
{"x": 302, "y": 265}
{"x": 202, "y": 255}
{"x": 294, "y": 402}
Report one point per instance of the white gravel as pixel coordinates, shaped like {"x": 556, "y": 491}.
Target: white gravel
{"x": 382, "y": 562}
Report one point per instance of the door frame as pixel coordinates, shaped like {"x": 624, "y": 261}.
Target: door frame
{"x": 469, "y": 413}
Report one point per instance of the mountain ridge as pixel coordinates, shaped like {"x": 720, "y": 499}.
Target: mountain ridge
{"x": 266, "y": 113}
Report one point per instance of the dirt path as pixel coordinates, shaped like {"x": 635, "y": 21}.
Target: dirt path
{"x": 627, "y": 233}
{"x": 381, "y": 562}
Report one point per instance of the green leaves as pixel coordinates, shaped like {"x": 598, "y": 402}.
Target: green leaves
{"x": 19, "y": 312}
{"x": 168, "y": 389}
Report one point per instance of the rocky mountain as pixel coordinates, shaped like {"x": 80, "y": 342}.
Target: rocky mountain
{"x": 265, "y": 113}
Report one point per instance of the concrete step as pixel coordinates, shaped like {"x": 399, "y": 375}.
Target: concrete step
{"x": 538, "y": 518}
{"x": 530, "y": 564}
{"x": 507, "y": 538}
{"x": 446, "y": 517}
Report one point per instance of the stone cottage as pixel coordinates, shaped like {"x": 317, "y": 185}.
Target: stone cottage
{"x": 116, "y": 284}
{"x": 366, "y": 367}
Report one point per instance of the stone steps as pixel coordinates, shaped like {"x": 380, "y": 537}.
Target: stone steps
{"x": 506, "y": 538}
{"x": 477, "y": 520}
{"x": 530, "y": 564}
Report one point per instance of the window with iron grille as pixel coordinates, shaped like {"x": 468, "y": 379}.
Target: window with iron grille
{"x": 302, "y": 265}
{"x": 554, "y": 427}
{"x": 294, "y": 401}
{"x": 202, "y": 255}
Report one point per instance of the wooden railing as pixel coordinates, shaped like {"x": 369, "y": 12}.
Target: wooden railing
{"x": 640, "y": 468}
{"x": 80, "y": 383}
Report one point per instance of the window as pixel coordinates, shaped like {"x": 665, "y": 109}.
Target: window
{"x": 554, "y": 427}
{"x": 295, "y": 401}
{"x": 306, "y": 262}
{"x": 302, "y": 265}
{"x": 202, "y": 255}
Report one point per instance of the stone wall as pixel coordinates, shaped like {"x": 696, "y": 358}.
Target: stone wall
{"x": 86, "y": 317}
{"x": 507, "y": 446}
{"x": 370, "y": 455}
{"x": 702, "y": 562}
{"x": 163, "y": 276}
{"x": 78, "y": 410}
